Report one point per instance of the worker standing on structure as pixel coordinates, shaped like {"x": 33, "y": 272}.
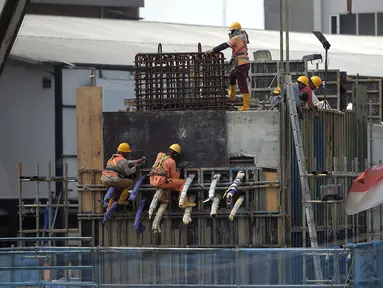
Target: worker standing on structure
{"x": 165, "y": 176}
{"x": 115, "y": 174}
{"x": 239, "y": 64}
{"x": 315, "y": 82}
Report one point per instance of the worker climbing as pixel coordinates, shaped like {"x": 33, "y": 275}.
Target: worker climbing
{"x": 165, "y": 176}
{"x": 239, "y": 63}
{"x": 116, "y": 173}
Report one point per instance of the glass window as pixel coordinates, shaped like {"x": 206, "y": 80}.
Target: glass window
{"x": 334, "y": 25}
{"x": 366, "y": 23}
{"x": 380, "y": 24}
{"x": 347, "y": 24}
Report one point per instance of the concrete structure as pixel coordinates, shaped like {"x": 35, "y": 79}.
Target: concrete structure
{"x": 329, "y": 16}
{"x": 112, "y": 9}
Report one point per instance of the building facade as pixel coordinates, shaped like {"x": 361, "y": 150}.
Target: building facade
{"x": 329, "y": 17}
{"x": 107, "y": 9}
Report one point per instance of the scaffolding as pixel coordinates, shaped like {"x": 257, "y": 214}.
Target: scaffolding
{"x": 50, "y": 208}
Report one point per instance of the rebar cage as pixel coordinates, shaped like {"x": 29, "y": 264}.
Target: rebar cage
{"x": 180, "y": 81}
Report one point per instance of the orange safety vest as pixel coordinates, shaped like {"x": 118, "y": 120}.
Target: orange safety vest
{"x": 158, "y": 169}
{"x": 111, "y": 168}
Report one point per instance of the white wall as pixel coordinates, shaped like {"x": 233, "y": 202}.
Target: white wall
{"x": 27, "y": 126}
{"x": 117, "y": 86}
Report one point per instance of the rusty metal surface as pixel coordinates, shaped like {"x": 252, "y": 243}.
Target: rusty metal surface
{"x": 180, "y": 81}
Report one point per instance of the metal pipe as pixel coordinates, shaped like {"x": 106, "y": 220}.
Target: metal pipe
{"x": 287, "y": 37}
{"x": 45, "y": 268}
{"x": 44, "y": 238}
{"x": 222, "y": 285}
{"x": 47, "y": 284}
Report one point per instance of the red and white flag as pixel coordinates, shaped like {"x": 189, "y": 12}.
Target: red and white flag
{"x": 366, "y": 191}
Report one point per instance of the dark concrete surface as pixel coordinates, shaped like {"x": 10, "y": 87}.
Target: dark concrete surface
{"x": 201, "y": 134}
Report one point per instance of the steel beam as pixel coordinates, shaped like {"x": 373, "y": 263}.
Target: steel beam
{"x": 11, "y": 18}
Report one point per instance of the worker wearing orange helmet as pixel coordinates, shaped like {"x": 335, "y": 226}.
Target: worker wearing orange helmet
{"x": 165, "y": 176}
{"x": 117, "y": 169}
{"x": 239, "y": 63}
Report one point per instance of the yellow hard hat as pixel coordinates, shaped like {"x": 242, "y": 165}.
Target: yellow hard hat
{"x": 277, "y": 90}
{"x": 235, "y": 26}
{"x": 304, "y": 80}
{"x": 124, "y": 147}
{"x": 176, "y": 148}
{"x": 316, "y": 81}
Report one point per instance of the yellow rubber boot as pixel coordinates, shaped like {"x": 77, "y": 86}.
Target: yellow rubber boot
{"x": 233, "y": 92}
{"x": 246, "y": 102}
{"x": 187, "y": 203}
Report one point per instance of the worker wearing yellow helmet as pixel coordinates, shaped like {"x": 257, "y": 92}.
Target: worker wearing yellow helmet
{"x": 239, "y": 64}
{"x": 117, "y": 169}
{"x": 164, "y": 174}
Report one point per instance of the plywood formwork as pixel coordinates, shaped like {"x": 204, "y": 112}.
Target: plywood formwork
{"x": 89, "y": 151}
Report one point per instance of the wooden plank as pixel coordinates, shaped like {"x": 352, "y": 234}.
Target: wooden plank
{"x": 89, "y": 145}
{"x": 272, "y": 202}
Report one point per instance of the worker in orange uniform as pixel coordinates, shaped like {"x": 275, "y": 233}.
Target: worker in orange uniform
{"x": 115, "y": 174}
{"x": 239, "y": 64}
{"x": 165, "y": 176}
{"x": 312, "y": 100}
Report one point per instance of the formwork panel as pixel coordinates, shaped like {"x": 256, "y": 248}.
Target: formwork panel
{"x": 201, "y": 134}
{"x": 180, "y": 81}
{"x": 328, "y": 141}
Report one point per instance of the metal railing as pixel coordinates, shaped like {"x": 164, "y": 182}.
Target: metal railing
{"x": 160, "y": 267}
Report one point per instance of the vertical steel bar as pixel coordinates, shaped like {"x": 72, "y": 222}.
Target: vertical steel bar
{"x": 37, "y": 202}
{"x": 287, "y": 37}
{"x": 50, "y": 202}
{"x": 21, "y": 210}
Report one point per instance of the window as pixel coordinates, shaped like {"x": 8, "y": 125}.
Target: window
{"x": 366, "y": 24}
{"x": 347, "y": 24}
{"x": 334, "y": 24}
{"x": 379, "y": 25}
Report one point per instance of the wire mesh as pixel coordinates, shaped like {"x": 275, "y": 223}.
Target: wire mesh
{"x": 180, "y": 81}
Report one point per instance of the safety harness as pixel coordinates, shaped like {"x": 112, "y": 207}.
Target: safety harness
{"x": 113, "y": 167}
{"x": 240, "y": 55}
{"x": 158, "y": 165}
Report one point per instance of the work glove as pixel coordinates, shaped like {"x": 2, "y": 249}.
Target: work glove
{"x": 181, "y": 166}
{"x": 141, "y": 161}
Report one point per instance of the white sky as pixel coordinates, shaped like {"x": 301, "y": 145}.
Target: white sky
{"x": 205, "y": 12}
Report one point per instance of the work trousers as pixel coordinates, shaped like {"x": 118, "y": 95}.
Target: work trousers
{"x": 126, "y": 185}
{"x": 240, "y": 74}
{"x": 170, "y": 184}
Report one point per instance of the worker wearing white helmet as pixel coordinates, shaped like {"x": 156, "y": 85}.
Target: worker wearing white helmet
{"x": 240, "y": 65}
{"x": 117, "y": 169}
{"x": 164, "y": 174}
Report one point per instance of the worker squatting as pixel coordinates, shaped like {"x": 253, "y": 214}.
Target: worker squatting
{"x": 239, "y": 72}
{"x": 165, "y": 177}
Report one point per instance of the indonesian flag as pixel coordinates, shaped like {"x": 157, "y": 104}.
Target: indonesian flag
{"x": 366, "y": 191}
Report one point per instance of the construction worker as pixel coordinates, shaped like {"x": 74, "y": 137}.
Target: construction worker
{"x": 239, "y": 64}
{"x": 315, "y": 83}
{"x": 115, "y": 174}
{"x": 165, "y": 176}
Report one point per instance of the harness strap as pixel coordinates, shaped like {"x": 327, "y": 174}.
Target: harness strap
{"x": 158, "y": 164}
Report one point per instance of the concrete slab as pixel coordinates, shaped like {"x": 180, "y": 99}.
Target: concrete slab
{"x": 254, "y": 133}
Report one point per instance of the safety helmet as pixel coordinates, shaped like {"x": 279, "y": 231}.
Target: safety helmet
{"x": 124, "y": 147}
{"x": 176, "y": 148}
{"x": 316, "y": 81}
{"x": 304, "y": 80}
{"x": 235, "y": 26}
{"x": 277, "y": 90}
